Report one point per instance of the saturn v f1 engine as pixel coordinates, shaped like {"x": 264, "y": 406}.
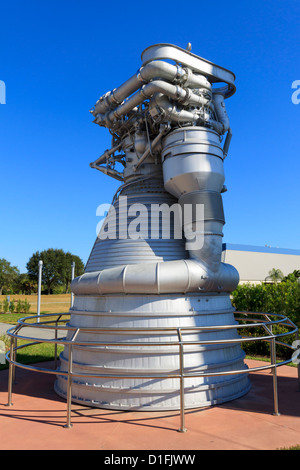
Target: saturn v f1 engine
{"x": 170, "y": 136}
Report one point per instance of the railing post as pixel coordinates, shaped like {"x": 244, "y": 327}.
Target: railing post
{"x": 275, "y": 388}
{"x": 181, "y": 366}
{"x": 55, "y": 349}
{"x": 10, "y": 372}
{"x": 69, "y": 388}
{"x": 69, "y": 385}
{"x": 14, "y": 358}
{"x": 273, "y": 361}
{"x": 55, "y": 346}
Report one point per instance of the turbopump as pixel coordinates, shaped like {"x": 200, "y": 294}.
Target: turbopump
{"x": 170, "y": 137}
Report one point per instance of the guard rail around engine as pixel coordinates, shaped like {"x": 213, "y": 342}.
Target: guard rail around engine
{"x": 57, "y": 323}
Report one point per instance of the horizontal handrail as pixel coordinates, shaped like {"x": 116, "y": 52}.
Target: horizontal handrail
{"x": 57, "y": 322}
{"x": 149, "y": 376}
{"x": 64, "y": 341}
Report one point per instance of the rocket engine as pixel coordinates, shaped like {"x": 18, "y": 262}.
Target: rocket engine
{"x": 156, "y": 262}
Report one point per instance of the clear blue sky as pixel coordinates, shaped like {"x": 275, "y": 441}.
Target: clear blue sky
{"x": 57, "y": 58}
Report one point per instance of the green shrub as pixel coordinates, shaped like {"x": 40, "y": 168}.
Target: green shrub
{"x": 12, "y": 306}
{"x": 5, "y": 306}
{"x": 281, "y": 298}
{"x": 26, "y": 306}
{"x": 19, "y": 306}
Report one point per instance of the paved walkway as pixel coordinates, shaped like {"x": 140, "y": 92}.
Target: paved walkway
{"x": 31, "y": 332}
{"x": 36, "y": 420}
{"x": 4, "y": 327}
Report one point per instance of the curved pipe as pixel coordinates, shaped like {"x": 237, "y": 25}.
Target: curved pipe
{"x": 221, "y": 111}
{"x": 164, "y": 277}
{"x": 147, "y": 91}
{"x": 227, "y": 143}
{"x": 155, "y": 69}
{"x": 184, "y": 76}
{"x": 172, "y": 112}
{"x": 213, "y": 72}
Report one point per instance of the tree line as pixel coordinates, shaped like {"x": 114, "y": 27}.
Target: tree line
{"x": 56, "y": 273}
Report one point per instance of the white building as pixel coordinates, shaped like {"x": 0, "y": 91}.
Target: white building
{"x": 254, "y": 262}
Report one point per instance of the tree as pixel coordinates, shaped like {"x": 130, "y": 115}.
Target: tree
{"x": 24, "y": 284}
{"x": 53, "y": 266}
{"x": 275, "y": 275}
{"x": 56, "y": 267}
{"x": 8, "y": 274}
{"x": 294, "y": 276}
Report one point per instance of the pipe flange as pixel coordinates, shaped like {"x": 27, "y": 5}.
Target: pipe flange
{"x": 185, "y": 101}
{"x": 181, "y": 75}
{"x": 187, "y": 74}
{"x": 113, "y": 99}
{"x": 139, "y": 76}
{"x": 142, "y": 92}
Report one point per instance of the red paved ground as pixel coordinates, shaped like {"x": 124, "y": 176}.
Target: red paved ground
{"x": 36, "y": 420}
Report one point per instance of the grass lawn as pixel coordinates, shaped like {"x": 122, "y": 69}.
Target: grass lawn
{"x": 59, "y": 303}
{"x": 37, "y": 353}
{"x": 49, "y": 304}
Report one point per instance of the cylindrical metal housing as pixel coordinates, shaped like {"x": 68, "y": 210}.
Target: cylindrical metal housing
{"x": 192, "y": 161}
{"x": 148, "y": 311}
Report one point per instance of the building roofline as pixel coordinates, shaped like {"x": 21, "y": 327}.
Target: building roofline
{"x": 260, "y": 249}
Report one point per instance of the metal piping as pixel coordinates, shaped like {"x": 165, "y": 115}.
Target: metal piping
{"x": 214, "y": 73}
{"x": 227, "y": 143}
{"x": 176, "y": 113}
{"x": 184, "y": 76}
{"x": 155, "y": 69}
{"x": 164, "y": 129}
{"x": 105, "y": 155}
{"x": 172, "y": 112}
{"x": 147, "y": 91}
{"x": 108, "y": 171}
{"x": 221, "y": 111}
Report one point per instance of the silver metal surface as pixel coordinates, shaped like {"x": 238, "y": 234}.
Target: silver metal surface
{"x": 134, "y": 354}
{"x": 213, "y": 72}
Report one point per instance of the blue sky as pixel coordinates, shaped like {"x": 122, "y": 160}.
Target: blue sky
{"x": 57, "y": 58}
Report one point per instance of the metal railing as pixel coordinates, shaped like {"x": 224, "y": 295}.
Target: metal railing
{"x": 266, "y": 321}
